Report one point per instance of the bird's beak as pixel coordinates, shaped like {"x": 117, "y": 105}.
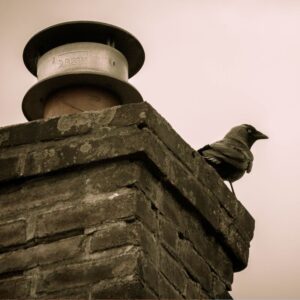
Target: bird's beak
{"x": 260, "y": 136}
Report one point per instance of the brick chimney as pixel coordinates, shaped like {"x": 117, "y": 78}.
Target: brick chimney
{"x": 114, "y": 204}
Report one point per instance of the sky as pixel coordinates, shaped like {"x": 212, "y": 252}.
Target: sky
{"x": 210, "y": 65}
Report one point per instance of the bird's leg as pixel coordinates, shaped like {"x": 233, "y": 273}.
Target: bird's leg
{"x": 232, "y": 188}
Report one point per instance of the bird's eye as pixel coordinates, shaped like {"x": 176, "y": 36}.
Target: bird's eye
{"x": 249, "y": 130}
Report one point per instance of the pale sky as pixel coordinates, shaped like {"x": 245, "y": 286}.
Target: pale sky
{"x": 210, "y": 65}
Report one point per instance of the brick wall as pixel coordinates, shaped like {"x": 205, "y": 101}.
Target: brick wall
{"x": 114, "y": 204}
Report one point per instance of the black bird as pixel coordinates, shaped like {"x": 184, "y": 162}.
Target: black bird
{"x": 231, "y": 157}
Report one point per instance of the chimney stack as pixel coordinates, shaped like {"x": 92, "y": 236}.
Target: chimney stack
{"x": 109, "y": 204}
{"x": 80, "y": 66}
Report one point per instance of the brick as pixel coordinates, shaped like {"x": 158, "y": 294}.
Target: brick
{"x": 128, "y": 288}
{"x": 195, "y": 265}
{"x": 186, "y": 222}
{"x": 149, "y": 273}
{"x": 166, "y": 291}
{"x": 209, "y": 247}
{"x": 238, "y": 246}
{"x": 71, "y": 276}
{"x": 108, "y": 177}
{"x": 9, "y": 168}
{"x": 45, "y": 130}
{"x": 149, "y": 244}
{"x": 12, "y": 233}
{"x": 123, "y": 233}
{"x": 41, "y": 193}
{"x": 20, "y": 134}
{"x": 73, "y": 293}
{"x": 4, "y": 137}
{"x": 198, "y": 166}
{"x": 115, "y": 143}
{"x": 168, "y": 234}
{"x": 18, "y": 199}
{"x": 147, "y": 214}
{"x": 194, "y": 192}
{"x": 129, "y": 114}
{"x": 243, "y": 219}
{"x": 178, "y": 176}
{"x": 65, "y": 126}
{"x": 16, "y": 288}
{"x": 218, "y": 288}
{"x": 172, "y": 271}
{"x": 194, "y": 291}
{"x": 115, "y": 235}
{"x": 40, "y": 255}
{"x": 118, "y": 206}
{"x": 176, "y": 213}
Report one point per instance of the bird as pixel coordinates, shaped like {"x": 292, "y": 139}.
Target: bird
{"x": 231, "y": 157}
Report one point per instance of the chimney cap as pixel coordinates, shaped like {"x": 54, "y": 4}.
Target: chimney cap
{"x": 84, "y": 31}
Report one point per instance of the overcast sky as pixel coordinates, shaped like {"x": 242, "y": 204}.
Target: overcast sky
{"x": 210, "y": 65}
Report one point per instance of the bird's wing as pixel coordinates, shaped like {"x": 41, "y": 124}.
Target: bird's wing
{"x": 229, "y": 149}
{"x": 228, "y": 153}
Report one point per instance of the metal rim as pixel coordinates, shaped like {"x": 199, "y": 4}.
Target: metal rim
{"x": 84, "y": 31}
{"x": 33, "y": 101}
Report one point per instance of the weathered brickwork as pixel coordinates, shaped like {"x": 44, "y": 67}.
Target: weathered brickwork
{"x": 114, "y": 204}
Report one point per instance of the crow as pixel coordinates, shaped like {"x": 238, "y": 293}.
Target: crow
{"x": 231, "y": 157}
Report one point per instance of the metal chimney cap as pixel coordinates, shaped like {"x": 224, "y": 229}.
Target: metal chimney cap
{"x": 84, "y": 31}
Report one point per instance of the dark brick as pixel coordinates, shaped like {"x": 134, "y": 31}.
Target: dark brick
{"x": 40, "y": 255}
{"x": 16, "y": 288}
{"x": 198, "y": 166}
{"x": 166, "y": 290}
{"x": 149, "y": 245}
{"x": 12, "y": 233}
{"x": 129, "y": 114}
{"x": 71, "y": 276}
{"x": 219, "y": 190}
{"x": 194, "y": 291}
{"x": 182, "y": 179}
{"x": 195, "y": 265}
{"x": 65, "y": 126}
{"x": 115, "y": 143}
{"x": 45, "y": 130}
{"x": 115, "y": 235}
{"x": 238, "y": 246}
{"x": 172, "y": 271}
{"x": 186, "y": 222}
{"x": 149, "y": 273}
{"x": 73, "y": 293}
{"x": 4, "y": 137}
{"x": 128, "y": 288}
{"x": 9, "y": 167}
{"x": 168, "y": 234}
{"x": 123, "y": 233}
{"x": 18, "y": 199}
{"x": 20, "y": 134}
{"x": 218, "y": 289}
{"x": 111, "y": 207}
{"x": 147, "y": 214}
{"x": 175, "y": 212}
{"x": 198, "y": 195}
{"x": 108, "y": 177}
{"x": 209, "y": 247}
